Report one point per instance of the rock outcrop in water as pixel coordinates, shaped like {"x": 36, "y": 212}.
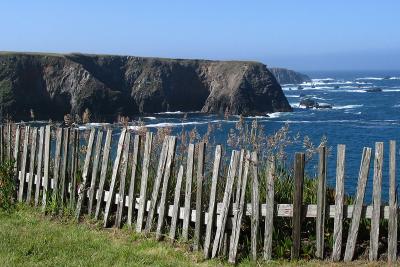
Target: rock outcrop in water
{"x": 53, "y": 85}
{"x": 285, "y": 76}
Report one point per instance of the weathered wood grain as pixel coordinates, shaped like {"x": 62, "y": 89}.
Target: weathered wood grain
{"x": 199, "y": 191}
{"x": 175, "y": 209}
{"x": 46, "y": 167}
{"x": 57, "y": 163}
{"x": 143, "y": 181}
{"x": 339, "y": 198}
{"x": 32, "y": 164}
{"x": 376, "y": 202}
{"x": 136, "y": 145}
{"x": 95, "y": 168}
{"x": 22, "y": 176}
{"x": 157, "y": 183}
{"x": 39, "y": 165}
{"x": 167, "y": 174}
{"x": 269, "y": 214}
{"x": 16, "y": 148}
{"x": 188, "y": 192}
{"x": 255, "y": 203}
{"x": 103, "y": 171}
{"x": 74, "y": 167}
{"x": 321, "y": 203}
{"x": 64, "y": 165}
{"x": 124, "y": 169}
{"x": 82, "y": 186}
{"x": 114, "y": 174}
{"x": 362, "y": 180}
{"x": 212, "y": 204}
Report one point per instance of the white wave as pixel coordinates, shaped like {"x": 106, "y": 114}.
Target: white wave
{"x": 150, "y": 118}
{"x": 293, "y": 96}
{"x": 276, "y": 114}
{"x": 370, "y": 78}
{"x": 347, "y": 106}
{"x": 171, "y": 112}
{"x": 178, "y": 124}
{"x": 391, "y": 90}
{"x": 397, "y": 106}
{"x": 394, "y": 78}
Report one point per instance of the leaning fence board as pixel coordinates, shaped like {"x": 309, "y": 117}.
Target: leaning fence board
{"x": 46, "y": 166}
{"x": 82, "y": 187}
{"x": 240, "y": 199}
{"x": 23, "y": 164}
{"x": 376, "y": 202}
{"x": 57, "y": 162}
{"x": 157, "y": 183}
{"x": 211, "y": 205}
{"x": 339, "y": 198}
{"x": 64, "y": 165}
{"x": 199, "y": 192}
{"x": 143, "y": 182}
{"x": 167, "y": 174}
{"x": 392, "y": 231}
{"x": 32, "y": 164}
{"x": 133, "y": 179}
{"x": 188, "y": 192}
{"x": 9, "y": 134}
{"x": 95, "y": 167}
{"x": 39, "y": 165}
{"x": 219, "y": 235}
{"x": 175, "y": 209}
{"x": 103, "y": 172}
{"x": 269, "y": 213}
{"x": 297, "y": 204}
{"x": 362, "y": 180}
{"x": 321, "y": 203}
{"x": 255, "y": 203}
{"x": 124, "y": 169}
{"x": 114, "y": 175}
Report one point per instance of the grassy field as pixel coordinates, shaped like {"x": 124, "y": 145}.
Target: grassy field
{"x": 30, "y": 239}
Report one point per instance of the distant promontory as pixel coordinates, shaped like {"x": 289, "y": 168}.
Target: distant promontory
{"x": 52, "y": 85}
{"x": 285, "y": 76}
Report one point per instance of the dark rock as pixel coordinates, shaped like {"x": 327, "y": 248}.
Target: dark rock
{"x": 285, "y": 76}
{"x": 308, "y": 103}
{"x": 373, "y": 90}
{"x": 54, "y": 85}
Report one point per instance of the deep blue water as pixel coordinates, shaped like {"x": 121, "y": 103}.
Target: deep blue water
{"x": 357, "y": 119}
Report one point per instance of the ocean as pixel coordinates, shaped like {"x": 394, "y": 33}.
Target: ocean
{"x": 357, "y": 119}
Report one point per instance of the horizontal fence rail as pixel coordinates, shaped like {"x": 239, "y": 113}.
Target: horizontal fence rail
{"x": 182, "y": 194}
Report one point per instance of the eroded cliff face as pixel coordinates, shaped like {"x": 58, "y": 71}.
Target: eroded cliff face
{"x": 54, "y": 85}
{"x": 285, "y": 76}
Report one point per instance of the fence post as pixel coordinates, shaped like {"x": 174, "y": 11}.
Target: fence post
{"x": 32, "y": 165}
{"x": 82, "y": 187}
{"x": 121, "y": 199}
{"x": 22, "y": 174}
{"x": 392, "y": 232}
{"x": 114, "y": 176}
{"x": 143, "y": 181}
{"x": 188, "y": 192}
{"x": 64, "y": 164}
{"x": 103, "y": 172}
{"x": 74, "y": 167}
{"x": 376, "y": 202}
{"x": 269, "y": 214}
{"x": 255, "y": 205}
{"x": 57, "y": 161}
{"x": 46, "y": 167}
{"x": 39, "y": 166}
{"x": 9, "y": 133}
{"x": 362, "y": 180}
{"x": 339, "y": 198}
{"x": 297, "y": 203}
{"x": 211, "y": 205}
{"x": 95, "y": 168}
{"x": 199, "y": 192}
{"x": 175, "y": 208}
{"x": 157, "y": 184}
{"x": 16, "y": 149}
{"x": 131, "y": 199}
{"x": 167, "y": 174}
{"x": 321, "y": 203}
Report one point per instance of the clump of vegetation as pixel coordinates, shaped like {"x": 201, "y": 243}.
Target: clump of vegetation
{"x": 7, "y": 186}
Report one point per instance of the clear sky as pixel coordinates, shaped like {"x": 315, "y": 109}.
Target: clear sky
{"x": 302, "y": 35}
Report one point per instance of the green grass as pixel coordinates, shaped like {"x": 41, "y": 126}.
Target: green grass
{"x": 29, "y": 238}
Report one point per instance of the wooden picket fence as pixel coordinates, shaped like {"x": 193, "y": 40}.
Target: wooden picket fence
{"x": 215, "y": 227}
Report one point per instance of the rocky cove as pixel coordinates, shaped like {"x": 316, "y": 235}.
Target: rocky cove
{"x": 52, "y": 85}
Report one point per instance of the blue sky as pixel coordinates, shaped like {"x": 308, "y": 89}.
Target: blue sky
{"x": 302, "y": 35}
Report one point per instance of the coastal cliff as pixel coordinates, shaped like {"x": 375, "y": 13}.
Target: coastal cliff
{"x": 53, "y": 85}
{"x": 285, "y": 76}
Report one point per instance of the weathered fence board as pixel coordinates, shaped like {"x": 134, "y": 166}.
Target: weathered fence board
{"x": 199, "y": 192}
{"x": 269, "y": 212}
{"x": 39, "y": 165}
{"x": 175, "y": 209}
{"x": 95, "y": 167}
{"x": 124, "y": 169}
{"x": 64, "y": 166}
{"x": 57, "y": 163}
{"x": 321, "y": 203}
{"x": 32, "y": 164}
{"x": 136, "y": 144}
{"x": 74, "y": 167}
{"x": 23, "y": 164}
{"x": 255, "y": 205}
{"x": 188, "y": 191}
{"x": 362, "y": 180}
{"x": 393, "y": 209}
{"x": 46, "y": 167}
{"x": 339, "y": 198}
